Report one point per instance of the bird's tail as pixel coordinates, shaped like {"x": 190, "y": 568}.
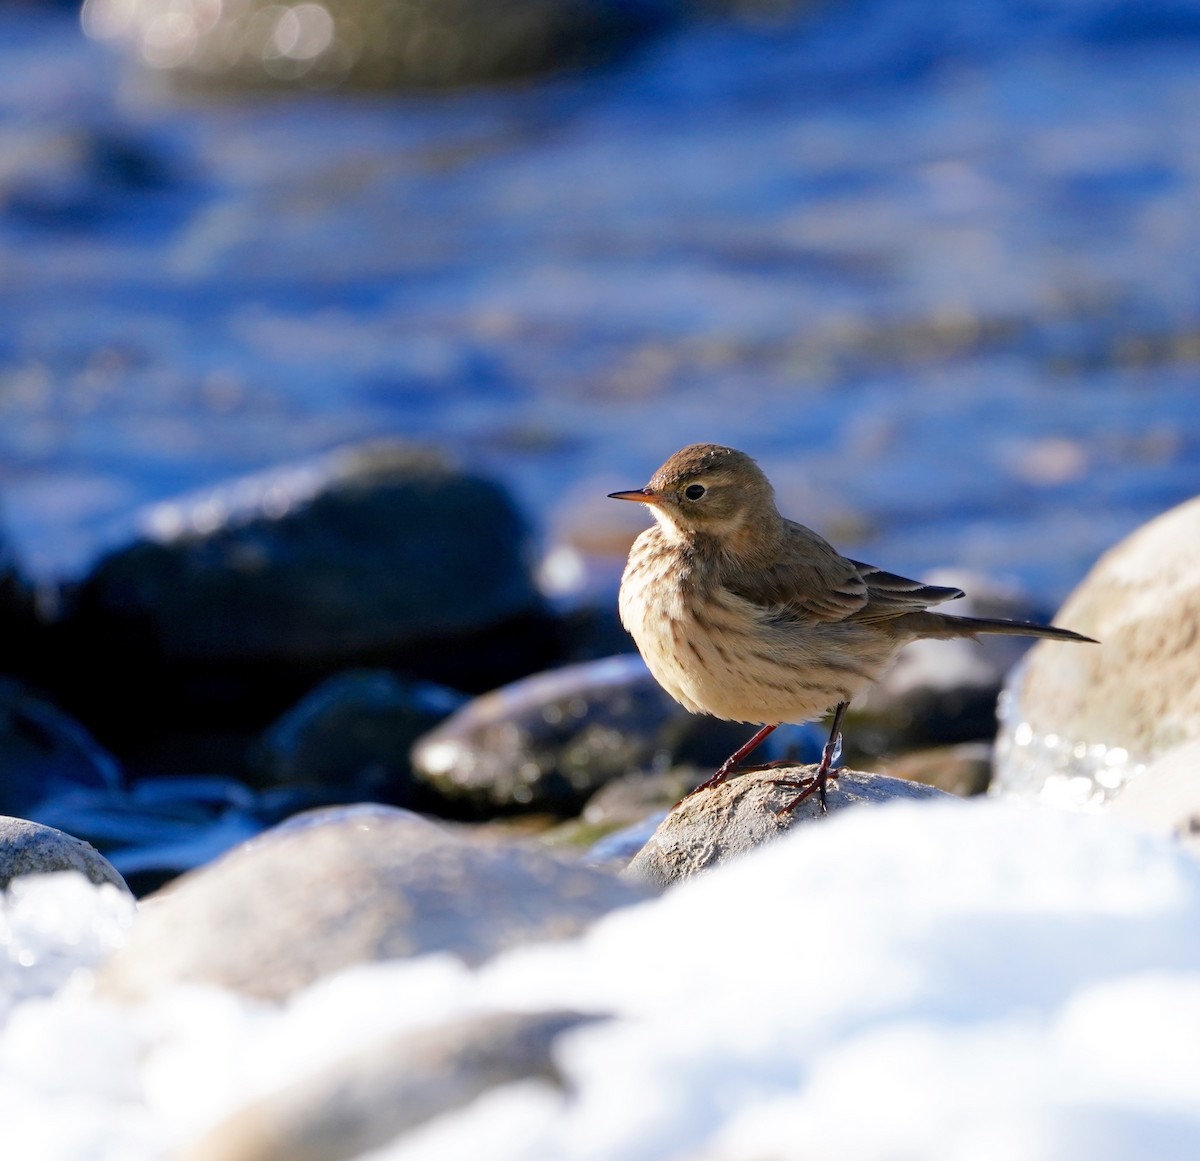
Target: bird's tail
{"x": 941, "y": 625}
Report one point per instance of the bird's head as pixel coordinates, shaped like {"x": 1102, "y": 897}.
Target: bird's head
{"x": 709, "y": 490}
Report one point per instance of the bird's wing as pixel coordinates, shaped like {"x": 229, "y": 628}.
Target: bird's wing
{"x": 889, "y": 595}
{"x": 813, "y": 582}
{"x": 809, "y": 582}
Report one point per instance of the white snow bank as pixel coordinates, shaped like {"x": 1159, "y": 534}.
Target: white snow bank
{"x": 965, "y": 981}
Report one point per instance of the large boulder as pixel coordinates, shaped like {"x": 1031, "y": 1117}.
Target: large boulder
{"x": 348, "y": 886}
{"x": 236, "y": 602}
{"x": 1079, "y": 721}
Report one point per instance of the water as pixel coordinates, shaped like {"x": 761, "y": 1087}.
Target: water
{"x": 933, "y": 265}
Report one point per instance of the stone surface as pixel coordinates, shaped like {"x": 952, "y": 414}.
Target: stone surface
{"x": 1165, "y": 798}
{"x": 366, "y": 1099}
{"x": 238, "y": 601}
{"x": 1079, "y": 721}
{"x": 350, "y": 738}
{"x": 29, "y": 848}
{"x": 550, "y": 741}
{"x": 44, "y": 752}
{"x": 963, "y": 770}
{"x": 347, "y": 886}
{"x": 382, "y": 44}
{"x": 728, "y": 820}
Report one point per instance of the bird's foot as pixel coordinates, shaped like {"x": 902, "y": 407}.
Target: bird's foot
{"x": 722, "y": 775}
{"x": 807, "y": 787}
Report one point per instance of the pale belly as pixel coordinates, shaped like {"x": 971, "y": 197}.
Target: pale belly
{"x": 722, "y": 657}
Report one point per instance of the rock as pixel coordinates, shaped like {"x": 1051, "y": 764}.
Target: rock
{"x": 29, "y": 848}
{"x": 365, "y": 1100}
{"x": 44, "y": 753}
{"x": 384, "y": 44}
{"x": 1165, "y": 798}
{"x": 161, "y": 827}
{"x": 550, "y": 741}
{"x": 1078, "y": 721}
{"x": 349, "y": 886}
{"x": 963, "y": 770}
{"x": 942, "y": 692}
{"x": 714, "y": 825}
{"x": 240, "y": 600}
{"x": 350, "y": 738}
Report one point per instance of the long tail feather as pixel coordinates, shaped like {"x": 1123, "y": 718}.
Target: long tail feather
{"x": 941, "y": 625}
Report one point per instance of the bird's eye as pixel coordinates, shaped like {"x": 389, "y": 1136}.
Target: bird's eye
{"x": 694, "y": 491}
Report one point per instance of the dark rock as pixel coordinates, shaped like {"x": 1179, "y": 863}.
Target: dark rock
{"x": 942, "y": 692}
{"x": 550, "y": 741}
{"x": 1081, "y": 720}
{"x": 239, "y": 601}
{"x": 367, "y": 1099}
{"x": 350, "y": 738}
{"x": 731, "y": 819}
{"x": 161, "y": 827}
{"x": 44, "y": 753}
{"x": 353, "y": 886}
{"x": 28, "y": 848}
{"x": 963, "y": 770}
{"x": 385, "y": 44}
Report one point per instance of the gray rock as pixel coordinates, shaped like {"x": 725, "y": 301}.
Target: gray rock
{"x": 729, "y": 820}
{"x": 45, "y": 753}
{"x": 239, "y": 600}
{"x": 28, "y": 848}
{"x": 1165, "y": 798}
{"x": 963, "y": 770}
{"x": 383, "y": 44}
{"x": 352, "y": 886}
{"x": 366, "y": 1099}
{"x": 1080, "y": 721}
{"x": 550, "y": 741}
{"x": 351, "y": 737}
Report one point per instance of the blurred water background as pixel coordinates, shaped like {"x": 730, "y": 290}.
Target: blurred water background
{"x": 934, "y": 264}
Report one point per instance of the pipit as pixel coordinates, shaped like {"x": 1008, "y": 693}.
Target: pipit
{"x": 748, "y": 616}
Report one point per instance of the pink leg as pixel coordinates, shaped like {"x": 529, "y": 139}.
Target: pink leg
{"x": 822, "y": 776}
{"x": 730, "y": 764}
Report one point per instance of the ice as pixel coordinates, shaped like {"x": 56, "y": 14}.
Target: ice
{"x": 959, "y": 981}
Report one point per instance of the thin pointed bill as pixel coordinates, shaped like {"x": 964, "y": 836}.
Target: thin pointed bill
{"x": 638, "y": 496}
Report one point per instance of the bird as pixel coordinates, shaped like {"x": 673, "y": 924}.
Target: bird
{"x": 748, "y": 616}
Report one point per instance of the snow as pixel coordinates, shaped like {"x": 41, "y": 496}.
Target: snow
{"x": 959, "y": 981}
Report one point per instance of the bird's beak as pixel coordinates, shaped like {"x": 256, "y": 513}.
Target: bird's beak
{"x": 638, "y": 496}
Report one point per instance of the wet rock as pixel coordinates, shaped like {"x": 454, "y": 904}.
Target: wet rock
{"x": 29, "y": 848}
{"x": 350, "y": 738}
{"x": 44, "y": 753}
{"x": 161, "y": 827}
{"x": 550, "y": 741}
{"x": 963, "y": 770}
{"x": 942, "y": 692}
{"x": 238, "y": 601}
{"x": 366, "y": 1099}
{"x": 352, "y": 886}
{"x": 384, "y": 44}
{"x": 1077, "y": 722}
{"x": 1165, "y": 798}
{"x": 728, "y": 820}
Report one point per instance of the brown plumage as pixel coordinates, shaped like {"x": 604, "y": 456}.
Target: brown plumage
{"x": 748, "y": 616}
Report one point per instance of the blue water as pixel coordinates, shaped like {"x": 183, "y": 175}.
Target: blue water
{"x": 935, "y": 265}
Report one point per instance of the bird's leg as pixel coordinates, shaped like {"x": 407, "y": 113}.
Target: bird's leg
{"x": 828, "y": 757}
{"x": 730, "y": 764}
